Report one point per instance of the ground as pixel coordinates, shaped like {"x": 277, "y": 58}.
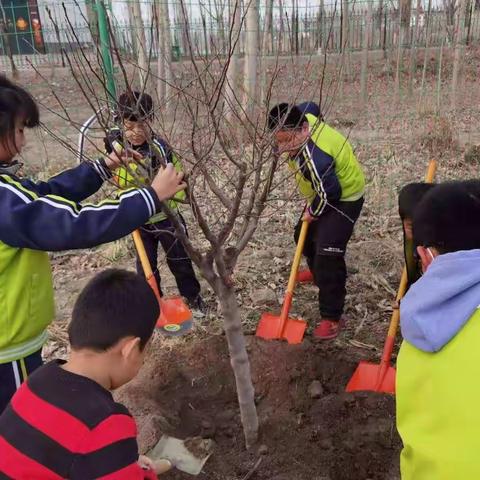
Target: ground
{"x": 187, "y": 388}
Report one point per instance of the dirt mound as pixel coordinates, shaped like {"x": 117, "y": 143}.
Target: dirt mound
{"x": 322, "y": 434}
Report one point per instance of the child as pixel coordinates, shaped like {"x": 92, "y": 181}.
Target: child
{"x": 408, "y": 199}
{"x": 63, "y": 421}
{"x": 438, "y": 364}
{"x": 134, "y": 114}
{"x": 330, "y": 178}
{"x": 37, "y": 217}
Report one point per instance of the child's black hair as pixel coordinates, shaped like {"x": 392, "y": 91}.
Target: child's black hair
{"x": 410, "y": 196}
{"x": 285, "y": 116}
{"x": 16, "y": 104}
{"x": 115, "y": 304}
{"x": 448, "y": 217}
{"x": 135, "y": 106}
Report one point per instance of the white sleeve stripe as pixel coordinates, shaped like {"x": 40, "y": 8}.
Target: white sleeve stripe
{"x": 104, "y": 174}
{"x": 17, "y": 192}
{"x": 68, "y": 208}
{"x": 319, "y": 183}
{"x": 147, "y": 201}
{"x": 152, "y": 201}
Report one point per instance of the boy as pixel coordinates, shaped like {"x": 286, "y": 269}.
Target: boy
{"x": 46, "y": 216}
{"x": 330, "y": 178}
{"x": 408, "y": 199}
{"x": 134, "y": 114}
{"x": 63, "y": 421}
{"x": 438, "y": 364}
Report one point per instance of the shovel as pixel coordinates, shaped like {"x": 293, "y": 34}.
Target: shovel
{"x": 381, "y": 378}
{"x": 188, "y": 456}
{"x": 274, "y": 327}
{"x": 175, "y": 317}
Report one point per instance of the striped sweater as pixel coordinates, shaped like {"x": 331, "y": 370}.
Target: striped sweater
{"x": 62, "y": 425}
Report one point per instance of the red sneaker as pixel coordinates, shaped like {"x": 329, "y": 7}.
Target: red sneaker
{"x": 328, "y": 329}
{"x": 305, "y": 276}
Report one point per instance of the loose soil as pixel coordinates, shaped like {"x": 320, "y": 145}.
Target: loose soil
{"x": 189, "y": 391}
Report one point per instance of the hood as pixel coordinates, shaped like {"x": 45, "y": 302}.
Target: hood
{"x": 439, "y": 304}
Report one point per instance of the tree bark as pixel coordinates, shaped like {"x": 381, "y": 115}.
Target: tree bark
{"x": 251, "y": 57}
{"x": 239, "y": 361}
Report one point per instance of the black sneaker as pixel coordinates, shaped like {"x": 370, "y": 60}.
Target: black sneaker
{"x": 197, "y": 305}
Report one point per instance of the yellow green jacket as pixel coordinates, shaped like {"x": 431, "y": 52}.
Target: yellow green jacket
{"x": 438, "y": 367}
{"x": 326, "y": 170}
{"x": 135, "y": 175}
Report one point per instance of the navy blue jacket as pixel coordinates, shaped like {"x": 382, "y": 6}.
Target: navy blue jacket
{"x": 48, "y": 216}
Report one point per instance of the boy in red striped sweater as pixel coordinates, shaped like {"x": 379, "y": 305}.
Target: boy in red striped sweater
{"x": 63, "y": 421}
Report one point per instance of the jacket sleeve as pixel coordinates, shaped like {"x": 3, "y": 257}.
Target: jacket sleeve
{"x": 53, "y": 223}
{"x": 109, "y": 451}
{"x": 321, "y": 170}
{"x": 75, "y": 184}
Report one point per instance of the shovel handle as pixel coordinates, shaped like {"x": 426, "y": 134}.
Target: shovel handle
{"x": 287, "y": 302}
{"x": 147, "y": 268}
{"x": 402, "y": 288}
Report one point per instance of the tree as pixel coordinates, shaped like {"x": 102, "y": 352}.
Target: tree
{"x": 251, "y": 56}
{"x": 164, "y": 66}
{"x": 366, "y": 44}
{"x": 459, "y": 48}
{"x": 140, "y": 41}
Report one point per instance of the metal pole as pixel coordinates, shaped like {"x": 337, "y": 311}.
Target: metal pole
{"x": 105, "y": 49}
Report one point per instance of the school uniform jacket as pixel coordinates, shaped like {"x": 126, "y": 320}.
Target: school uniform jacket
{"x": 37, "y": 217}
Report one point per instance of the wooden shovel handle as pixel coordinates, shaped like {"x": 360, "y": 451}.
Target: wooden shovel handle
{"x": 392, "y": 330}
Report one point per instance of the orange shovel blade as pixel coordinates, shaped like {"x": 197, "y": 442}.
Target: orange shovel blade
{"x": 367, "y": 377}
{"x": 175, "y": 316}
{"x": 269, "y": 326}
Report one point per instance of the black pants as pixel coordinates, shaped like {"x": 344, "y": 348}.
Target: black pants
{"x": 178, "y": 260}
{"x": 325, "y": 248}
{"x": 13, "y": 374}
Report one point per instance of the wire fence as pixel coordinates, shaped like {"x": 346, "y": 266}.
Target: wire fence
{"x": 36, "y": 32}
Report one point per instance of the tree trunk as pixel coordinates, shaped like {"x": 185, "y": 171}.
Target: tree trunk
{"x": 413, "y": 50}
{"x": 164, "y": 53}
{"x": 265, "y": 43}
{"x": 131, "y": 23}
{"x": 398, "y": 70}
{"x": 427, "y": 48}
{"x": 141, "y": 43}
{"x": 405, "y": 14}
{"x": 459, "y": 49}
{"x": 439, "y": 77}
{"x": 239, "y": 361}
{"x": 346, "y": 38}
{"x": 6, "y": 41}
{"x": 366, "y": 44}
{"x": 234, "y": 53}
{"x": 251, "y": 57}
{"x": 281, "y": 34}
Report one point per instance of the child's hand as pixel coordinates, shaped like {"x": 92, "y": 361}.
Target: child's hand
{"x": 307, "y": 216}
{"x": 118, "y": 158}
{"x": 157, "y": 466}
{"x": 168, "y": 182}
{"x": 146, "y": 463}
